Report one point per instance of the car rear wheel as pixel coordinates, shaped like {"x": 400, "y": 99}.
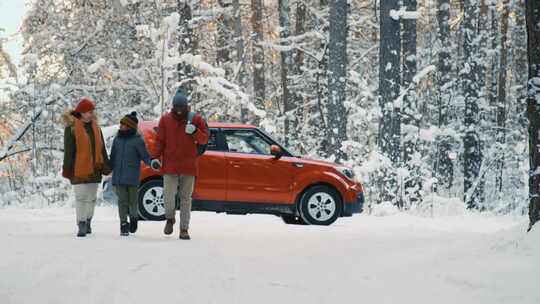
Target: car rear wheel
{"x": 293, "y": 220}
{"x": 320, "y": 205}
{"x": 151, "y": 203}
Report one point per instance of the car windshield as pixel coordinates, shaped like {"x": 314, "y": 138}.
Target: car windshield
{"x": 292, "y": 152}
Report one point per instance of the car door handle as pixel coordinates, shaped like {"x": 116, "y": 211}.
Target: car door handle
{"x": 235, "y": 164}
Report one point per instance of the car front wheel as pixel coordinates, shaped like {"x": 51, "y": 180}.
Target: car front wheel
{"x": 320, "y": 205}
{"x": 151, "y": 203}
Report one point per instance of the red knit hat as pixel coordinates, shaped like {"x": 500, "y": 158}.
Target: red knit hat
{"x": 85, "y": 105}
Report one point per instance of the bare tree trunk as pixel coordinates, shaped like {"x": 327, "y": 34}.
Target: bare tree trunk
{"x": 482, "y": 32}
{"x": 389, "y": 90}
{"x": 185, "y": 45}
{"x": 501, "y": 104}
{"x": 337, "y": 76}
{"x": 258, "y": 52}
{"x": 533, "y": 107}
{"x": 321, "y": 79}
{"x": 224, "y": 26}
{"x": 288, "y": 101}
{"x": 492, "y": 95}
{"x": 389, "y": 74}
{"x": 409, "y": 45}
{"x": 409, "y": 110}
{"x": 239, "y": 38}
{"x": 470, "y": 75}
{"x": 443, "y": 164}
{"x": 300, "y": 28}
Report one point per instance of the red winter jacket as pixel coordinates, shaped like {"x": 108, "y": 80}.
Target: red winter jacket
{"x": 178, "y": 149}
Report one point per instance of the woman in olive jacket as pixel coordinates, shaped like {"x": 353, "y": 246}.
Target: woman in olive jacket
{"x": 85, "y": 160}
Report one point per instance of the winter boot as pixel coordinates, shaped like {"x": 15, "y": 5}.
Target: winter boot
{"x": 132, "y": 225}
{"x": 88, "y": 226}
{"x": 169, "y": 226}
{"x": 124, "y": 229}
{"x": 184, "y": 235}
{"x": 82, "y": 229}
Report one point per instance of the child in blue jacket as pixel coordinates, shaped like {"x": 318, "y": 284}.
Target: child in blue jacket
{"x": 128, "y": 150}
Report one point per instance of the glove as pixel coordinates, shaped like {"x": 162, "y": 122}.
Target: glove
{"x": 190, "y": 129}
{"x": 155, "y": 164}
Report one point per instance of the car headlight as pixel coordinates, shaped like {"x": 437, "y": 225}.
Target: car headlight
{"x": 348, "y": 172}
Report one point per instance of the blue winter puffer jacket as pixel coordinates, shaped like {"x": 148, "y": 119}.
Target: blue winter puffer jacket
{"x": 126, "y": 155}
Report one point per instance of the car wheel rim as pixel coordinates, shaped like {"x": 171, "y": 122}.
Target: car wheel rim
{"x": 153, "y": 201}
{"x": 321, "y": 206}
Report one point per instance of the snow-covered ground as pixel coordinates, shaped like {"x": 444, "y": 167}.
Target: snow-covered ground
{"x": 258, "y": 259}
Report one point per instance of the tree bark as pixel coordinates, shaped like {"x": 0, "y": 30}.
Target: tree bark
{"x": 239, "y": 39}
{"x": 443, "y": 164}
{"x": 185, "y": 45}
{"x": 389, "y": 90}
{"x": 337, "y": 76}
{"x": 532, "y": 9}
{"x": 389, "y": 77}
{"x": 409, "y": 110}
{"x": 288, "y": 101}
{"x": 501, "y": 104}
{"x": 258, "y": 52}
{"x": 300, "y": 28}
{"x": 492, "y": 95}
{"x": 470, "y": 74}
{"x": 224, "y": 27}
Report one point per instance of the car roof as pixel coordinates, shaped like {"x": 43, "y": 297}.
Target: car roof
{"x": 151, "y": 124}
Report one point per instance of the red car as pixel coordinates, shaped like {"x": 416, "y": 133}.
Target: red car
{"x": 245, "y": 171}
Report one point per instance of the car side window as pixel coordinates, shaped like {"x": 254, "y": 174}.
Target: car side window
{"x": 246, "y": 141}
{"x": 212, "y": 141}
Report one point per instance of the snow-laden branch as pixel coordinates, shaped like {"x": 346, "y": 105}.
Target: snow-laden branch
{"x": 196, "y": 62}
{"x": 213, "y": 79}
{"x": 292, "y": 42}
{"x": 402, "y": 13}
{"x": 27, "y": 149}
{"x": 96, "y": 65}
{"x": 423, "y": 73}
{"x": 230, "y": 91}
{"x": 416, "y": 79}
{"x": 7, "y": 149}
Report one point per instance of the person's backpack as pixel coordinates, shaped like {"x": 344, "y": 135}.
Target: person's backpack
{"x": 201, "y": 148}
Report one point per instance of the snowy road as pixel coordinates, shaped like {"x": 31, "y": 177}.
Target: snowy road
{"x": 258, "y": 259}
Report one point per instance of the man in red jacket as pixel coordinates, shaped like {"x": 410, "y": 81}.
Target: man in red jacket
{"x": 179, "y": 134}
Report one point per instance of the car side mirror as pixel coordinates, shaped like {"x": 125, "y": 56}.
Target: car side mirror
{"x": 276, "y": 151}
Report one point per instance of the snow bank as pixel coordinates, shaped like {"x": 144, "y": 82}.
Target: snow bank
{"x": 439, "y": 206}
{"x": 531, "y": 242}
{"x": 425, "y": 260}
{"x": 384, "y": 209}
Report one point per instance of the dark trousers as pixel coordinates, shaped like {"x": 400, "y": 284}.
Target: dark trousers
{"x": 127, "y": 202}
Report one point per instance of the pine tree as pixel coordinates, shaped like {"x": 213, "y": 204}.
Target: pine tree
{"x": 533, "y": 108}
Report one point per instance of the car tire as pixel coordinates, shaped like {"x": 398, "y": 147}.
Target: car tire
{"x": 151, "y": 201}
{"x": 320, "y": 205}
{"x": 292, "y": 220}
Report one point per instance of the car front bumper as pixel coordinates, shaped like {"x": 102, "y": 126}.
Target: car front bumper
{"x": 354, "y": 207}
